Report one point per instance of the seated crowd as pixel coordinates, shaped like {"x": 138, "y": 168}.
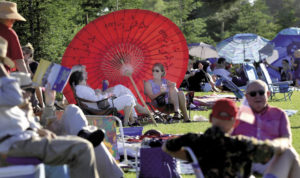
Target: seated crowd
{"x": 201, "y": 75}
{"x": 230, "y": 148}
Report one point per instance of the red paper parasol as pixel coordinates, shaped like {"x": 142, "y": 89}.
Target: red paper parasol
{"x": 133, "y": 38}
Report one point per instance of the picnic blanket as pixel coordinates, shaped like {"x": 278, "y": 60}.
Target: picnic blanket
{"x": 209, "y": 100}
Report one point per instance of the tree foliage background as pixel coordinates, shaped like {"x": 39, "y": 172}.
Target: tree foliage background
{"x": 52, "y": 24}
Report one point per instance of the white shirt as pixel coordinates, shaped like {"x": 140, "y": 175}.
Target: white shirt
{"x": 13, "y": 120}
{"x": 86, "y": 92}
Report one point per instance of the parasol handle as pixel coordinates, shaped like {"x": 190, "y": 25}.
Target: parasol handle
{"x": 142, "y": 99}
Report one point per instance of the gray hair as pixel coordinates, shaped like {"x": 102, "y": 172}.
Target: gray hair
{"x": 259, "y": 82}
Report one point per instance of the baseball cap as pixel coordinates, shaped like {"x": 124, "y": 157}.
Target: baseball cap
{"x": 225, "y": 109}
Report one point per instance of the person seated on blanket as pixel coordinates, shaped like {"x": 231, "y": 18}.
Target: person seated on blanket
{"x": 201, "y": 80}
{"x": 23, "y": 137}
{"x": 163, "y": 91}
{"x": 270, "y": 123}
{"x": 222, "y": 155}
{"x": 74, "y": 122}
{"x": 123, "y": 101}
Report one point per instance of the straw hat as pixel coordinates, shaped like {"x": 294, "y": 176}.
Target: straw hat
{"x": 3, "y": 51}
{"x": 297, "y": 53}
{"x": 8, "y": 10}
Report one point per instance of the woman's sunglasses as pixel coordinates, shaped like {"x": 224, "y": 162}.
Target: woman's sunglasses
{"x": 155, "y": 70}
{"x": 253, "y": 93}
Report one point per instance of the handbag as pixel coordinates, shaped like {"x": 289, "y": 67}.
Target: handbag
{"x": 161, "y": 100}
{"x": 155, "y": 163}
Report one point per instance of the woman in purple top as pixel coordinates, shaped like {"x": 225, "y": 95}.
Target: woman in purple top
{"x": 164, "y": 91}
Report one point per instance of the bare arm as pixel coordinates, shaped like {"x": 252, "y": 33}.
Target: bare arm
{"x": 21, "y": 66}
{"x": 273, "y": 67}
{"x": 49, "y": 110}
{"x": 39, "y": 94}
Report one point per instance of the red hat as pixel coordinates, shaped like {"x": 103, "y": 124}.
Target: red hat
{"x": 224, "y": 109}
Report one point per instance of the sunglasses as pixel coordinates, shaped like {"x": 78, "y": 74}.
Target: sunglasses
{"x": 253, "y": 93}
{"x": 155, "y": 70}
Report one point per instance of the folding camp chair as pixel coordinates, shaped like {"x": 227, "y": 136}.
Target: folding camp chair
{"x": 276, "y": 87}
{"x": 23, "y": 171}
{"x": 250, "y": 71}
{"x": 230, "y": 85}
{"x": 108, "y": 123}
{"x": 162, "y": 115}
{"x": 91, "y": 111}
{"x": 13, "y": 167}
{"x": 195, "y": 163}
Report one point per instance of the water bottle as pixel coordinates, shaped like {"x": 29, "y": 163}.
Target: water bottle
{"x": 165, "y": 86}
{"x": 104, "y": 85}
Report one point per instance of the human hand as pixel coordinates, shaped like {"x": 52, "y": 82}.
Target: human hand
{"x": 49, "y": 96}
{"x": 171, "y": 84}
{"x": 46, "y": 133}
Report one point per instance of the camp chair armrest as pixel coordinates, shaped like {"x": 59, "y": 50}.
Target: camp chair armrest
{"x": 89, "y": 101}
{"x": 282, "y": 83}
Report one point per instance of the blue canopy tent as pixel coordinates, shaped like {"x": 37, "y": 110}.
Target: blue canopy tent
{"x": 286, "y": 42}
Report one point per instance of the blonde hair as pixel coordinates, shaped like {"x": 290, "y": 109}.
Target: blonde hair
{"x": 28, "y": 49}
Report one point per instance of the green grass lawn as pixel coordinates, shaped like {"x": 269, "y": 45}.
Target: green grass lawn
{"x": 181, "y": 128}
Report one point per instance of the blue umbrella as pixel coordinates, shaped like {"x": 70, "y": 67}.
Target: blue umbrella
{"x": 240, "y": 47}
